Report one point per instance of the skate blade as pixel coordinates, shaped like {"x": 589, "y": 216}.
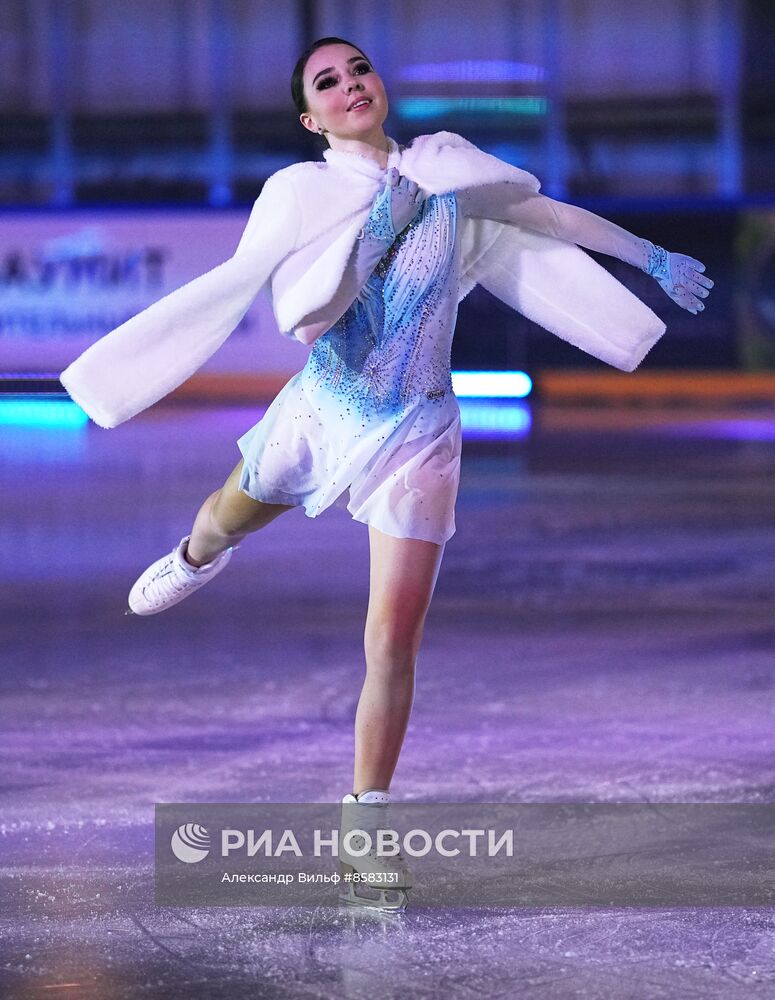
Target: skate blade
{"x": 379, "y": 905}
{"x": 370, "y": 906}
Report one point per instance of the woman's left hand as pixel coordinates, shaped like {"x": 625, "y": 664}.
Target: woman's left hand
{"x": 681, "y": 277}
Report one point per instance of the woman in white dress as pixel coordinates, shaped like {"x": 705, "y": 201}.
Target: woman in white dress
{"x": 371, "y": 420}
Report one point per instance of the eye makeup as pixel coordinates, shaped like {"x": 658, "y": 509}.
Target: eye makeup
{"x": 360, "y": 68}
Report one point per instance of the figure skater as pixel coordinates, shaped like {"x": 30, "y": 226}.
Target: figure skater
{"x": 372, "y": 417}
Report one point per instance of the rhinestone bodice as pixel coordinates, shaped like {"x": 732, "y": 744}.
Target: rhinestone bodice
{"x": 393, "y": 345}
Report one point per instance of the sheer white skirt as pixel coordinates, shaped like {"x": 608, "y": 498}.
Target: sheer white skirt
{"x": 400, "y": 473}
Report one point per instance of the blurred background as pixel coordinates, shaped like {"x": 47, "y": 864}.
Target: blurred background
{"x": 134, "y": 136}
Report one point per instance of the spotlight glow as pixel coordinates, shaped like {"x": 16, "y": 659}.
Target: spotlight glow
{"x": 492, "y": 385}
{"x": 36, "y": 411}
{"x": 491, "y": 420}
{"x": 437, "y": 107}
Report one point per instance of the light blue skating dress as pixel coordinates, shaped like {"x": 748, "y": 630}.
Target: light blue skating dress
{"x": 371, "y": 421}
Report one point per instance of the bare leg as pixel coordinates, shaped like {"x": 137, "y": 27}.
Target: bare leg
{"x": 226, "y": 517}
{"x": 402, "y": 578}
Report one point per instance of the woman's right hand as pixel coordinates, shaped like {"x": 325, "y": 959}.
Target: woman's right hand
{"x": 406, "y": 199}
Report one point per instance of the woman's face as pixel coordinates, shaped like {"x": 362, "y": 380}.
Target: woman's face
{"x": 335, "y": 78}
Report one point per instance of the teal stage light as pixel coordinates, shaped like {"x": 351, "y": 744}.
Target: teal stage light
{"x": 437, "y": 107}
{"x": 491, "y": 384}
{"x": 479, "y": 419}
{"x": 39, "y": 411}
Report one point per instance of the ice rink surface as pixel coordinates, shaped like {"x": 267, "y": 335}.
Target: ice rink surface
{"x": 602, "y": 630}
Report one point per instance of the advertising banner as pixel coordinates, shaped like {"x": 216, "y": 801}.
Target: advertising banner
{"x": 67, "y": 279}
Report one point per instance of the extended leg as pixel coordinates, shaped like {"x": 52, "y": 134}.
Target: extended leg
{"x": 225, "y": 518}
{"x": 222, "y": 522}
{"x": 402, "y": 578}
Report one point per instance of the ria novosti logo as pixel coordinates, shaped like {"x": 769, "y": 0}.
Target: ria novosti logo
{"x": 190, "y": 843}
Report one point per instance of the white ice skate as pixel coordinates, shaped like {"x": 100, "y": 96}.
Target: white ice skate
{"x": 171, "y": 579}
{"x": 385, "y": 876}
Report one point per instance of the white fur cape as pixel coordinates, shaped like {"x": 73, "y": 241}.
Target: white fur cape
{"x": 297, "y": 242}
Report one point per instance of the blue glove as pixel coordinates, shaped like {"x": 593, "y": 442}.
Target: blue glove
{"x": 681, "y": 277}
{"x": 394, "y": 208}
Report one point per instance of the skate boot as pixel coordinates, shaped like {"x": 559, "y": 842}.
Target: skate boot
{"x": 376, "y": 880}
{"x": 171, "y": 579}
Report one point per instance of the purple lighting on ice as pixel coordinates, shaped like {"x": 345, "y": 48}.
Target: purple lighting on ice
{"x": 730, "y": 429}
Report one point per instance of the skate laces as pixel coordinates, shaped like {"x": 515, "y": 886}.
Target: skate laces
{"x": 168, "y": 582}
